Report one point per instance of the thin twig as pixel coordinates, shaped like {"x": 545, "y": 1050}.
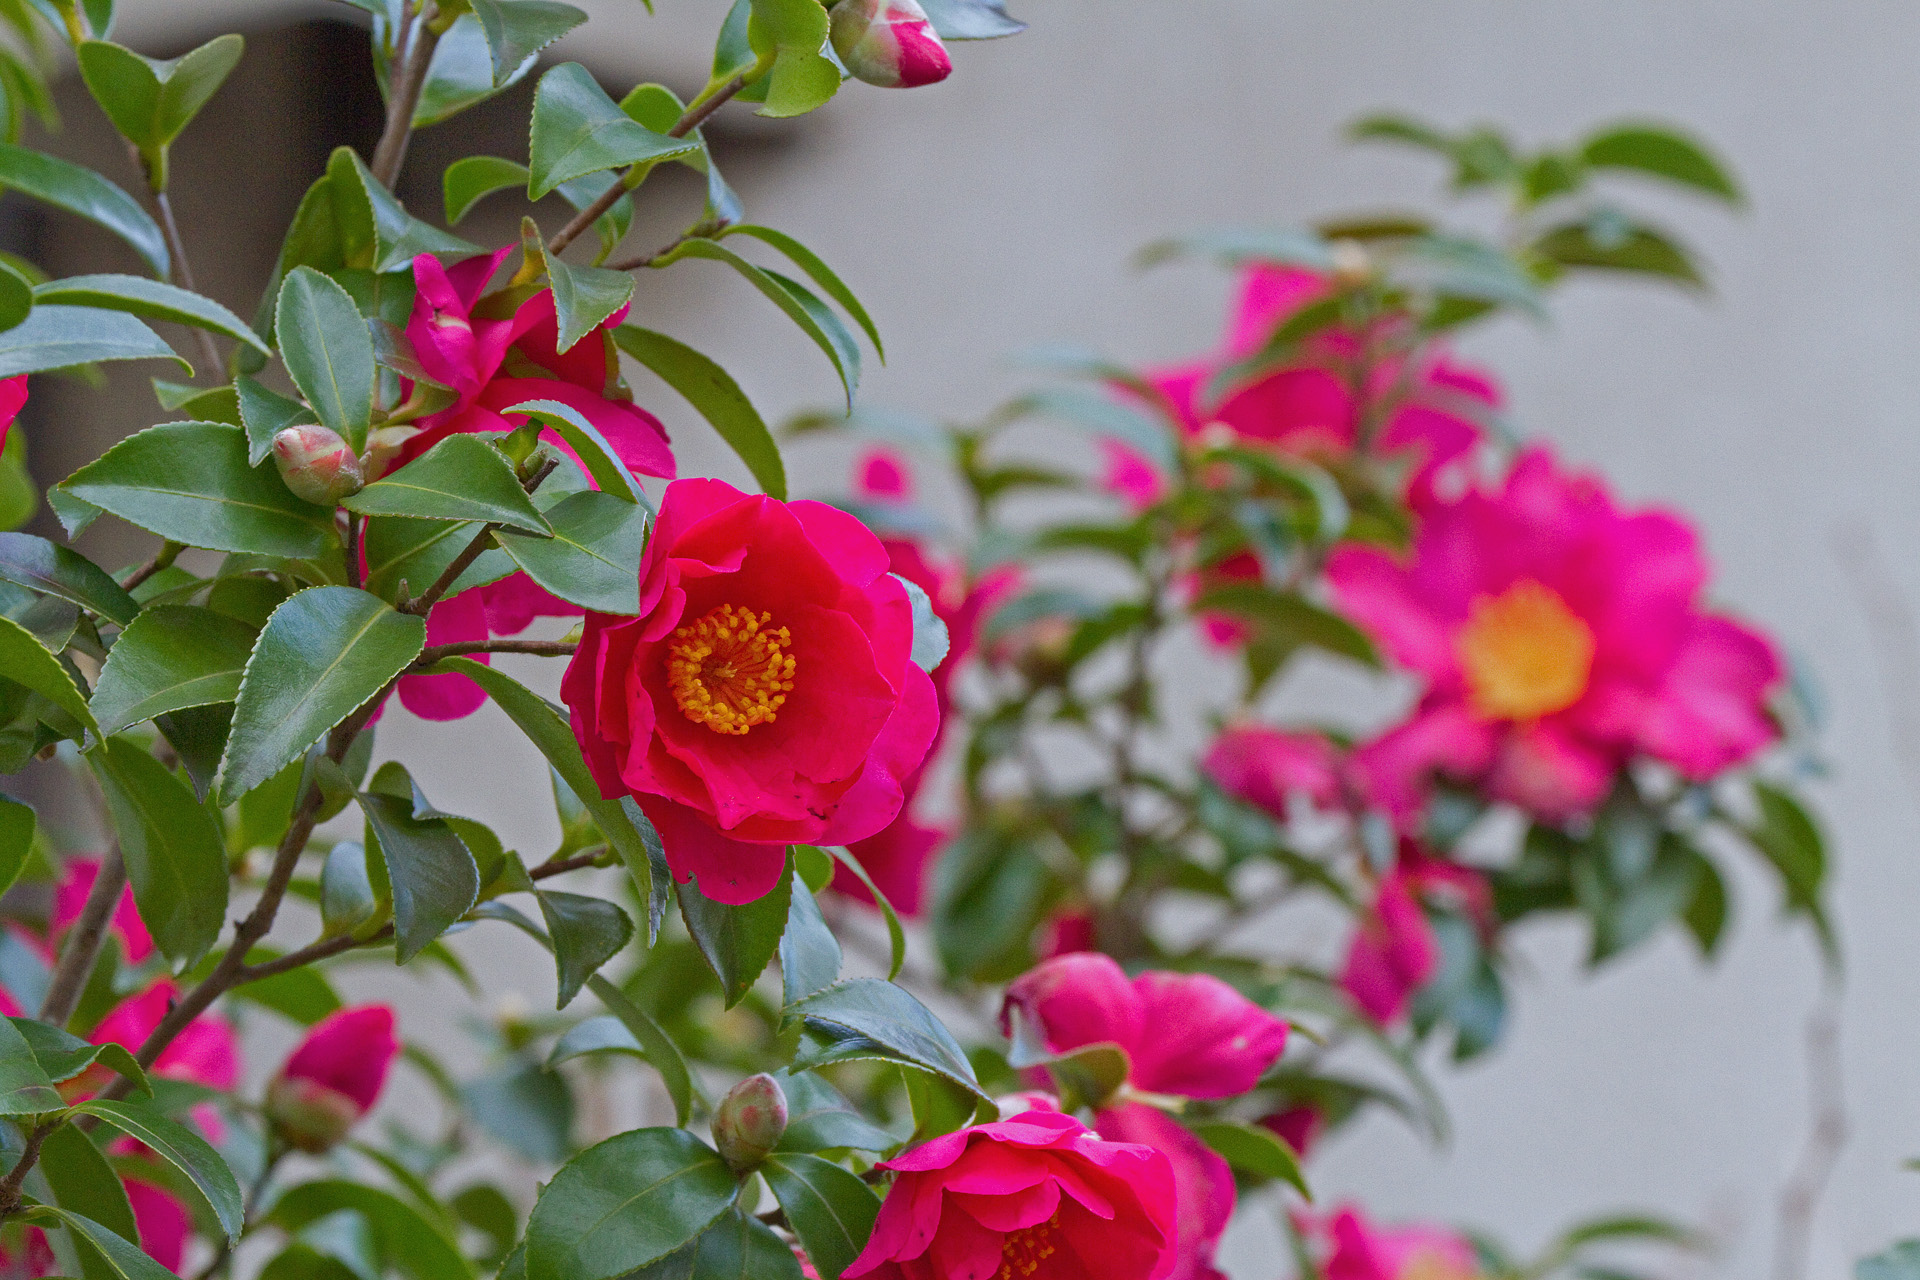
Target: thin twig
{"x": 474, "y": 550}
{"x": 10, "y": 1187}
{"x": 648, "y": 259}
{"x": 82, "y": 947}
{"x": 354, "y": 566}
{"x": 417, "y": 41}
{"x": 539, "y": 648}
{"x": 1826, "y": 1091}
{"x": 163, "y": 558}
{"x": 183, "y": 275}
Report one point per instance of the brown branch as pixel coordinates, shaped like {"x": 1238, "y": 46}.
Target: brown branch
{"x": 10, "y": 1187}
{"x": 417, "y": 41}
{"x": 183, "y": 275}
{"x": 83, "y": 942}
{"x": 163, "y": 558}
{"x": 1800, "y": 1198}
{"x": 539, "y": 648}
{"x": 474, "y": 550}
{"x": 560, "y": 866}
{"x": 324, "y": 949}
{"x": 695, "y": 116}
{"x": 648, "y": 259}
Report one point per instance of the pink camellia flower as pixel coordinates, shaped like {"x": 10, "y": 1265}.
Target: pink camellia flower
{"x": 1036, "y": 1197}
{"x": 333, "y": 1077}
{"x": 317, "y": 463}
{"x": 881, "y": 475}
{"x": 1065, "y": 933}
{"x": 764, "y": 695}
{"x": 889, "y": 43}
{"x": 1394, "y": 951}
{"x": 164, "y": 1223}
{"x": 1130, "y": 475}
{"x": 492, "y": 363}
{"x": 1361, "y": 1251}
{"x": 1559, "y": 636}
{"x": 70, "y": 895}
{"x": 13, "y": 398}
{"x": 1185, "y": 1035}
{"x": 1309, "y": 407}
{"x": 502, "y": 608}
{"x": 1300, "y": 1127}
{"x": 206, "y": 1052}
{"x": 1267, "y": 767}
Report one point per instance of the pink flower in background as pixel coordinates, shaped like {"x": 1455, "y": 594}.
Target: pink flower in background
{"x": 1361, "y": 1251}
{"x": 333, "y": 1077}
{"x": 1037, "y": 1196}
{"x": 889, "y": 43}
{"x": 1223, "y": 630}
{"x": 1392, "y": 954}
{"x": 502, "y": 608}
{"x": 764, "y": 696}
{"x": 1300, "y": 1127}
{"x": 494, "y": 363}
{"x": 1266, "y": 767}
{"x": 881, "y": 475}
{"x": 1186, "y": 1035}
{"x": 13, "y": 398}
{"x": 1309, "y": 407}
{"x": 164, "y": 1223}
{"x": 206, "y": 1052}
{"x": 70, "y": 895}
{"x": 1128, "y": 473}
{"x": 1560, "y": 636}
{"x": 1065, "y": 933}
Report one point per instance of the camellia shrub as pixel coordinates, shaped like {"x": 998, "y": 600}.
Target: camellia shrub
{"x": 787, "y": 725}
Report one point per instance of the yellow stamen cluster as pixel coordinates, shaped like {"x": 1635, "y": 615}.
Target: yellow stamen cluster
{"x": 1526, "y": 654}
{"x": 729, "y": 670}
{"x": 1023, "y": 1252}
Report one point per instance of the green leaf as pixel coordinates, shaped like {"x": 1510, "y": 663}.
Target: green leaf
{"x": 26, "y": 661}
{"x": 600, "y": 458}
{"x": 1106, "y": 416}
{"x": 1706, "y": 914}
{"x": 830, "y": 1209}
{"x": 1254, "y": 1150}
{"x": 601, "y": 1034}
{"x": 817, "y": 271}
{"x": 583, "y": 297}
{"x": 375, "y": 231}
{"x": 81, "y": 191}
{"x": 578, "y": 129}
{"x": 890, "y": 1017}
{"x": 586, "y": 933}
{"x": 971, "y": 19}
{"x": 659, "y": 1048}
{"x": 185, "y": 1150}
{"x": 25, "y": 1088}
{"x": 593, "y": 557}
{"x": 176, "y": 857}
{"x": 792, "y": 33}
{"x": 16, "y": 297}
{"x": 1900, "y": 1262}
{"x": 152, "y": 299}
{"x": 896, "y": 934}
{"x": 737, "y": 1247}
{"x": 347, "y": 898}
{"x": 327, "y": 350}
{"x": 172, "y": 656}
{"x": 466, "y": 182}
{"x": 322, "y": 654}
{"x": 930, "y": 637}
{"x": 191, "y": 482}
{"x": 518, "y": 29}
{"x": 124, "y": 1260}
{"x": 1787, "y": 836}
{"x": 150, "y": 101}
{"x": 1289, "y": 619}
{"x": 266, "y": 414}
{"x": 819, "y": 1119}
{"x": 17, "y": 825}
{"x": 712, "y": 391}
{"x": 737, "y": 941}
{"x": 529, "y": 1110}
{"x": 461, "y": 478}
{"x": 625, "y": 1202}
{"x": 1637, "y": 249}
{"x": 63, "y": 1055}
{"x": 407, "y": 1240}
{"x": 1090, "y": 1075}
{"x": 809, "y": 954}
{"x": 434, "y": 877}
{"x": 84, "y": 1183}
{"x": 60, "y": 571}
{"x": 1662, "y": 153}
{"x": 59, "y": 337}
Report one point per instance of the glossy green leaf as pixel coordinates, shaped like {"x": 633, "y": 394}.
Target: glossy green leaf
{"x": 184, "y": 1149}
{"x": 890, "y": 1017}
{"x": 266, "y": 413}
{"x": 809, "y": 954}
{"x": 434, "y": 877}
{"x": 85, "y": 1186}
{"x": 583, "y": 298}
{"x": 737, "y": 941}
{"x": 736, "y": 1247}
{"x": 793, "y": 33}
{"x": 60, "y": 337}
{"x": 406, "y": 1239}
{"x": 819, "y": 1119}
{"x": 25, "y": 1088}
{"x": 602, "y": 1034}
{"x": 461, "y": 478}
{"x": 625, "y": 1202}
{"x": 61, "y": 571}
{"x": 600, "y": 458}
{"x": 527, "y": 1109}
{"x": 327, "y": 351}
{"x": 321, "y": 655}
{"x": 81, "y": 191}
{"x": 1787, "y": 836}
{"x": 27, "y": 662}
{"x": 830, "y": 1209}
{"x": 176, "y": 858}
{"x": 518, "y": 29}
{"x": 16, "y": 297}
{"x": 152, "y": 299}
{"x": 172, "y": 656}
{"x": 150, "y": 101}
{"x": 466, "y": 182}
{"x": 1662, "y": 153}
{"x": 1289, "y": 618}
{"x": 578, "y": 129}
{"x": 593, "y": 557}
{"x": 718, "y": 398}
{"x": 586, "y": 933}
{"x": 1254, "y": 1150}
{"x": 817, "y": 271}
{"x": 17, "y": 825}
{"x": 63, "y": 1055}
{"x": 375, "y": 231}
{"x": 896, "y": 933}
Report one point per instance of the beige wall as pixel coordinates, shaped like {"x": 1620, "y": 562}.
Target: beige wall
{"x": 998, "y": 211}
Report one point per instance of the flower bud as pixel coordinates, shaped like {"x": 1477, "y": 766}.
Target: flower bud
{"x": 333, "y": 1077}
{"x": 749, "y": 1122}
{"x": 889, "y": 43}
{"x": 317, "y": 464}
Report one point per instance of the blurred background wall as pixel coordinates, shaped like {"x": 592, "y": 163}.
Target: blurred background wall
{"x": 999, "y": 211}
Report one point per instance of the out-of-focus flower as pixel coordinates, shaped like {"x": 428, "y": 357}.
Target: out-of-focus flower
{"x": 1128, "y": 473}
{"x": 492, "y": 363}
{"x": 333, "y": 1077}
{"x": 13, "y": 398}
{"x": 1266, "y": 767}
{"x": 749, "y": 1122}
{"x": 317, "y": 464}
{"x": 1066, "y": 932}
{"x": 1559, "y": 636}
{"x": 1299, "y": 1127}
{"x": 889, "y": 43}
{"x": 1392, "y": 953}
{"x": 205, "y": 1052}
{"x": 1224, "y": 631}
{"x": 1036, "y": 1197}
{"x": 1361, "y": 1251}
{"x": 1186, "y": 1035}
{"x": 70, "y": 895}
{"x": 502, "y": 608}
{"x": 764, "y": 695}
{"x": 164, "y": 1223}
{"x": 882, "y": 475}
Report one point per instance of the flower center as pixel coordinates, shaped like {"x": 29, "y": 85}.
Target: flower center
{"x": 1526, "y": 654}
{"x": 729, "y": 670}
{"x": 1023, "y": 1252}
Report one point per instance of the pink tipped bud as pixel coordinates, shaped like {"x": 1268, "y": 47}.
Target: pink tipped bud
{"x": 889, "y": 43}
{"x": 317, "y": 464}
{"x": 333, "y": 1077}
{"x": 749, "y": 1122}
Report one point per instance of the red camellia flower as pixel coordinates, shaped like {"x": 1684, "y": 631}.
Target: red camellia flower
{"x": 1037, "y": 1197}
{"x": 13, "y": 398}
{"x": 333, "y": 1077}
{"x": 1362, "y": 1251}
{"x": 502, "y": 608}
{"x": 764, "y": 696}
{"x": 1268, "y": 767}
{"x": 1185, "y": 1035}
{"x": 1560, "y": 637}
